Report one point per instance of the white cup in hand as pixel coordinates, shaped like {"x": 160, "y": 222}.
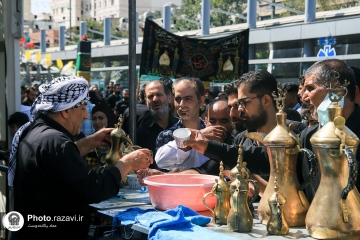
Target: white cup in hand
{"x": 181, "y": 135}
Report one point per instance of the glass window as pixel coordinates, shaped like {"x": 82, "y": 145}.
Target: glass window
{"x": 354, "y": 48}
{"x": 254, "y": 67}
{"x": 288, "y": 53}
{"x": 286, "y": 70}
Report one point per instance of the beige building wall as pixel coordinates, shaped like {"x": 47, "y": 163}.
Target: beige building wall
{"x": 62, "y": 12}
{"x": 100, "y": 9}
{"x": 27, "y": 11}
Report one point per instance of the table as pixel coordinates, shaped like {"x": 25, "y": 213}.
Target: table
{"x": 135, "y": 198}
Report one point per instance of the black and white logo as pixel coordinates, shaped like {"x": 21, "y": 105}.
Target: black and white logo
{"x": 13, "y": 221}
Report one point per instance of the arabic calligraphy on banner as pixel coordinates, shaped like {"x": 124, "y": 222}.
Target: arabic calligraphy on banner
{"x": 218, "y": 60}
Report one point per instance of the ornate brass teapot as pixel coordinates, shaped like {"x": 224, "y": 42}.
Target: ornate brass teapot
{"x": 277, "y": 224}
{"x": 221, "y": 190}
{"x": 121, "y": 144}
{"x": 334, "y": 211}
{"x": 240, "y": 218}
{"x": 283, "y": 147}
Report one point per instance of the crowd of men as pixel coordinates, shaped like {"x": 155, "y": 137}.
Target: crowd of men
{"x": 217, "y": 126}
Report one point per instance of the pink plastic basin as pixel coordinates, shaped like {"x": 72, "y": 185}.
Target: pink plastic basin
{"x": 169, "y": 190}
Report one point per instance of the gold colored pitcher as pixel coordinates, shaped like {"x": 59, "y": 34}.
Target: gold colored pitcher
{"x": 121, "y": 144}
{"x": 335, "y": 210}
{"x": 240, "y": 218}
{"x": 221, "y": 190}
{"x": 283, "y": 148}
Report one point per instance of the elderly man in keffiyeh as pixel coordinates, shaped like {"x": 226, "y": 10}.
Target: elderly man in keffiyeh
{"x": 47, "y": 174}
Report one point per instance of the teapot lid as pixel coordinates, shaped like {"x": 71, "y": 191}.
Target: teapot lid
{"x": 118, "y": 131}
{"x": 221, "y": 182}
{"x": 279, "y": 136}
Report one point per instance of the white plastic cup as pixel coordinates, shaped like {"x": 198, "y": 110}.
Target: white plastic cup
{"x": 181, "y": 135}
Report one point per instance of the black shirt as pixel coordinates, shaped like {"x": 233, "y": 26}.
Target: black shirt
{"x": 141, "y": 111}
{"x": 121, "y": 106}
{"x": 256, "y": 156}
{"x": 149, "y": 130}
{"x": 353, "y": 124}
{"x": 112, "y": 99}
{"x": 52, "y": 179}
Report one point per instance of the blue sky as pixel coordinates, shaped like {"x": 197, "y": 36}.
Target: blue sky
{"x": 40, "y": 6}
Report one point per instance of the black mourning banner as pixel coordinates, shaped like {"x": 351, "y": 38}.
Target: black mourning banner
{"x": 217, "y": 60}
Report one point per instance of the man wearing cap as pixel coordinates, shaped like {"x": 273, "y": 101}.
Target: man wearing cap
{"x": 47, "y": 175}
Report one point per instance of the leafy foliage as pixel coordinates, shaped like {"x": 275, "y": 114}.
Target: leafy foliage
{"x": 191, "y": 9}
{"x": 322, "y": 5}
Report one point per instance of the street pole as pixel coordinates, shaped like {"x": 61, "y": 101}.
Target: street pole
{"x": 132, "y": 69}
{"x": 70, "y": 21}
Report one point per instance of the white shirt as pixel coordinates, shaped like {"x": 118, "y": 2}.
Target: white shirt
{"x": 170, "y": 156}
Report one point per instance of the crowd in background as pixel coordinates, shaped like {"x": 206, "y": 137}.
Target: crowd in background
{"x": 114, "y": 101}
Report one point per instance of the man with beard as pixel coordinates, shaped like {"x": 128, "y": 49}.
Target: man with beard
{"x": 115, "y": 96}
{"x": 123, "y": 104}
{"x": 141, "y": 110}
{"x": 157, "y": 100}
{"x": 230, "y": 90}
{"x": 30, "y": 95}
{"x": 257, "y": 110}
{"x": 168, "y": 83}
{"x": 317, "y": 97}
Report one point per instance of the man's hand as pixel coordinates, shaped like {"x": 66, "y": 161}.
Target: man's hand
{"x": 197, "y": 141}
{"x": 217, "y": 133}
{"x": 135, "y": 160}
{"x": 102, "y": 137}
{"x": 143, "y": 173}
{"x": 98, "y": 139}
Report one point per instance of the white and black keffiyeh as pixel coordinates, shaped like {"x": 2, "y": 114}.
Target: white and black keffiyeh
{"x": 60, "y": 94}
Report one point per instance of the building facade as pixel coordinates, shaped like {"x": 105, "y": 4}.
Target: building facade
{"x": 82, "y": 10}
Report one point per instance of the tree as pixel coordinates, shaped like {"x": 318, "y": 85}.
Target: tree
{"x": 322, "y": 5}
{"x": 191, "y": 9}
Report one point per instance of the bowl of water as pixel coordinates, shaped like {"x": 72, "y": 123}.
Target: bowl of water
{"x": 169, "y": 190}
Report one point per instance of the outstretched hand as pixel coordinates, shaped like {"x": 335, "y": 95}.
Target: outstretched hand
{"x": 143, "y": 173}
{"x": 98, "y": 139}
{"x": 197, "y": 141}
{"x": 135, "y": 160}
{"x": 102, "y": 137}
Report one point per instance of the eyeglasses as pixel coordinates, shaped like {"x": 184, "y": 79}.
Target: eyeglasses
{"x": 242, "y": 102}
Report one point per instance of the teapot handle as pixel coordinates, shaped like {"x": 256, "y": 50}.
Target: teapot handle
{"x": 256, "y": 188}
{"x": 313, "y": 168}
{"x": 204, "y": 202}
{"x": 353, "y": 171}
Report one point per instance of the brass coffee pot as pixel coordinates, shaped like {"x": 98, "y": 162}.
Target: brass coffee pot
{"x": 245, "y": 174}
{"x": 334, "y": 211}
{"x": 283, "y": 147}
{"x": 277, "y": 224}
{"x": 221, "y": 190}
{"x": 240, "y": 218}
{"x": 121, "y": 144}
